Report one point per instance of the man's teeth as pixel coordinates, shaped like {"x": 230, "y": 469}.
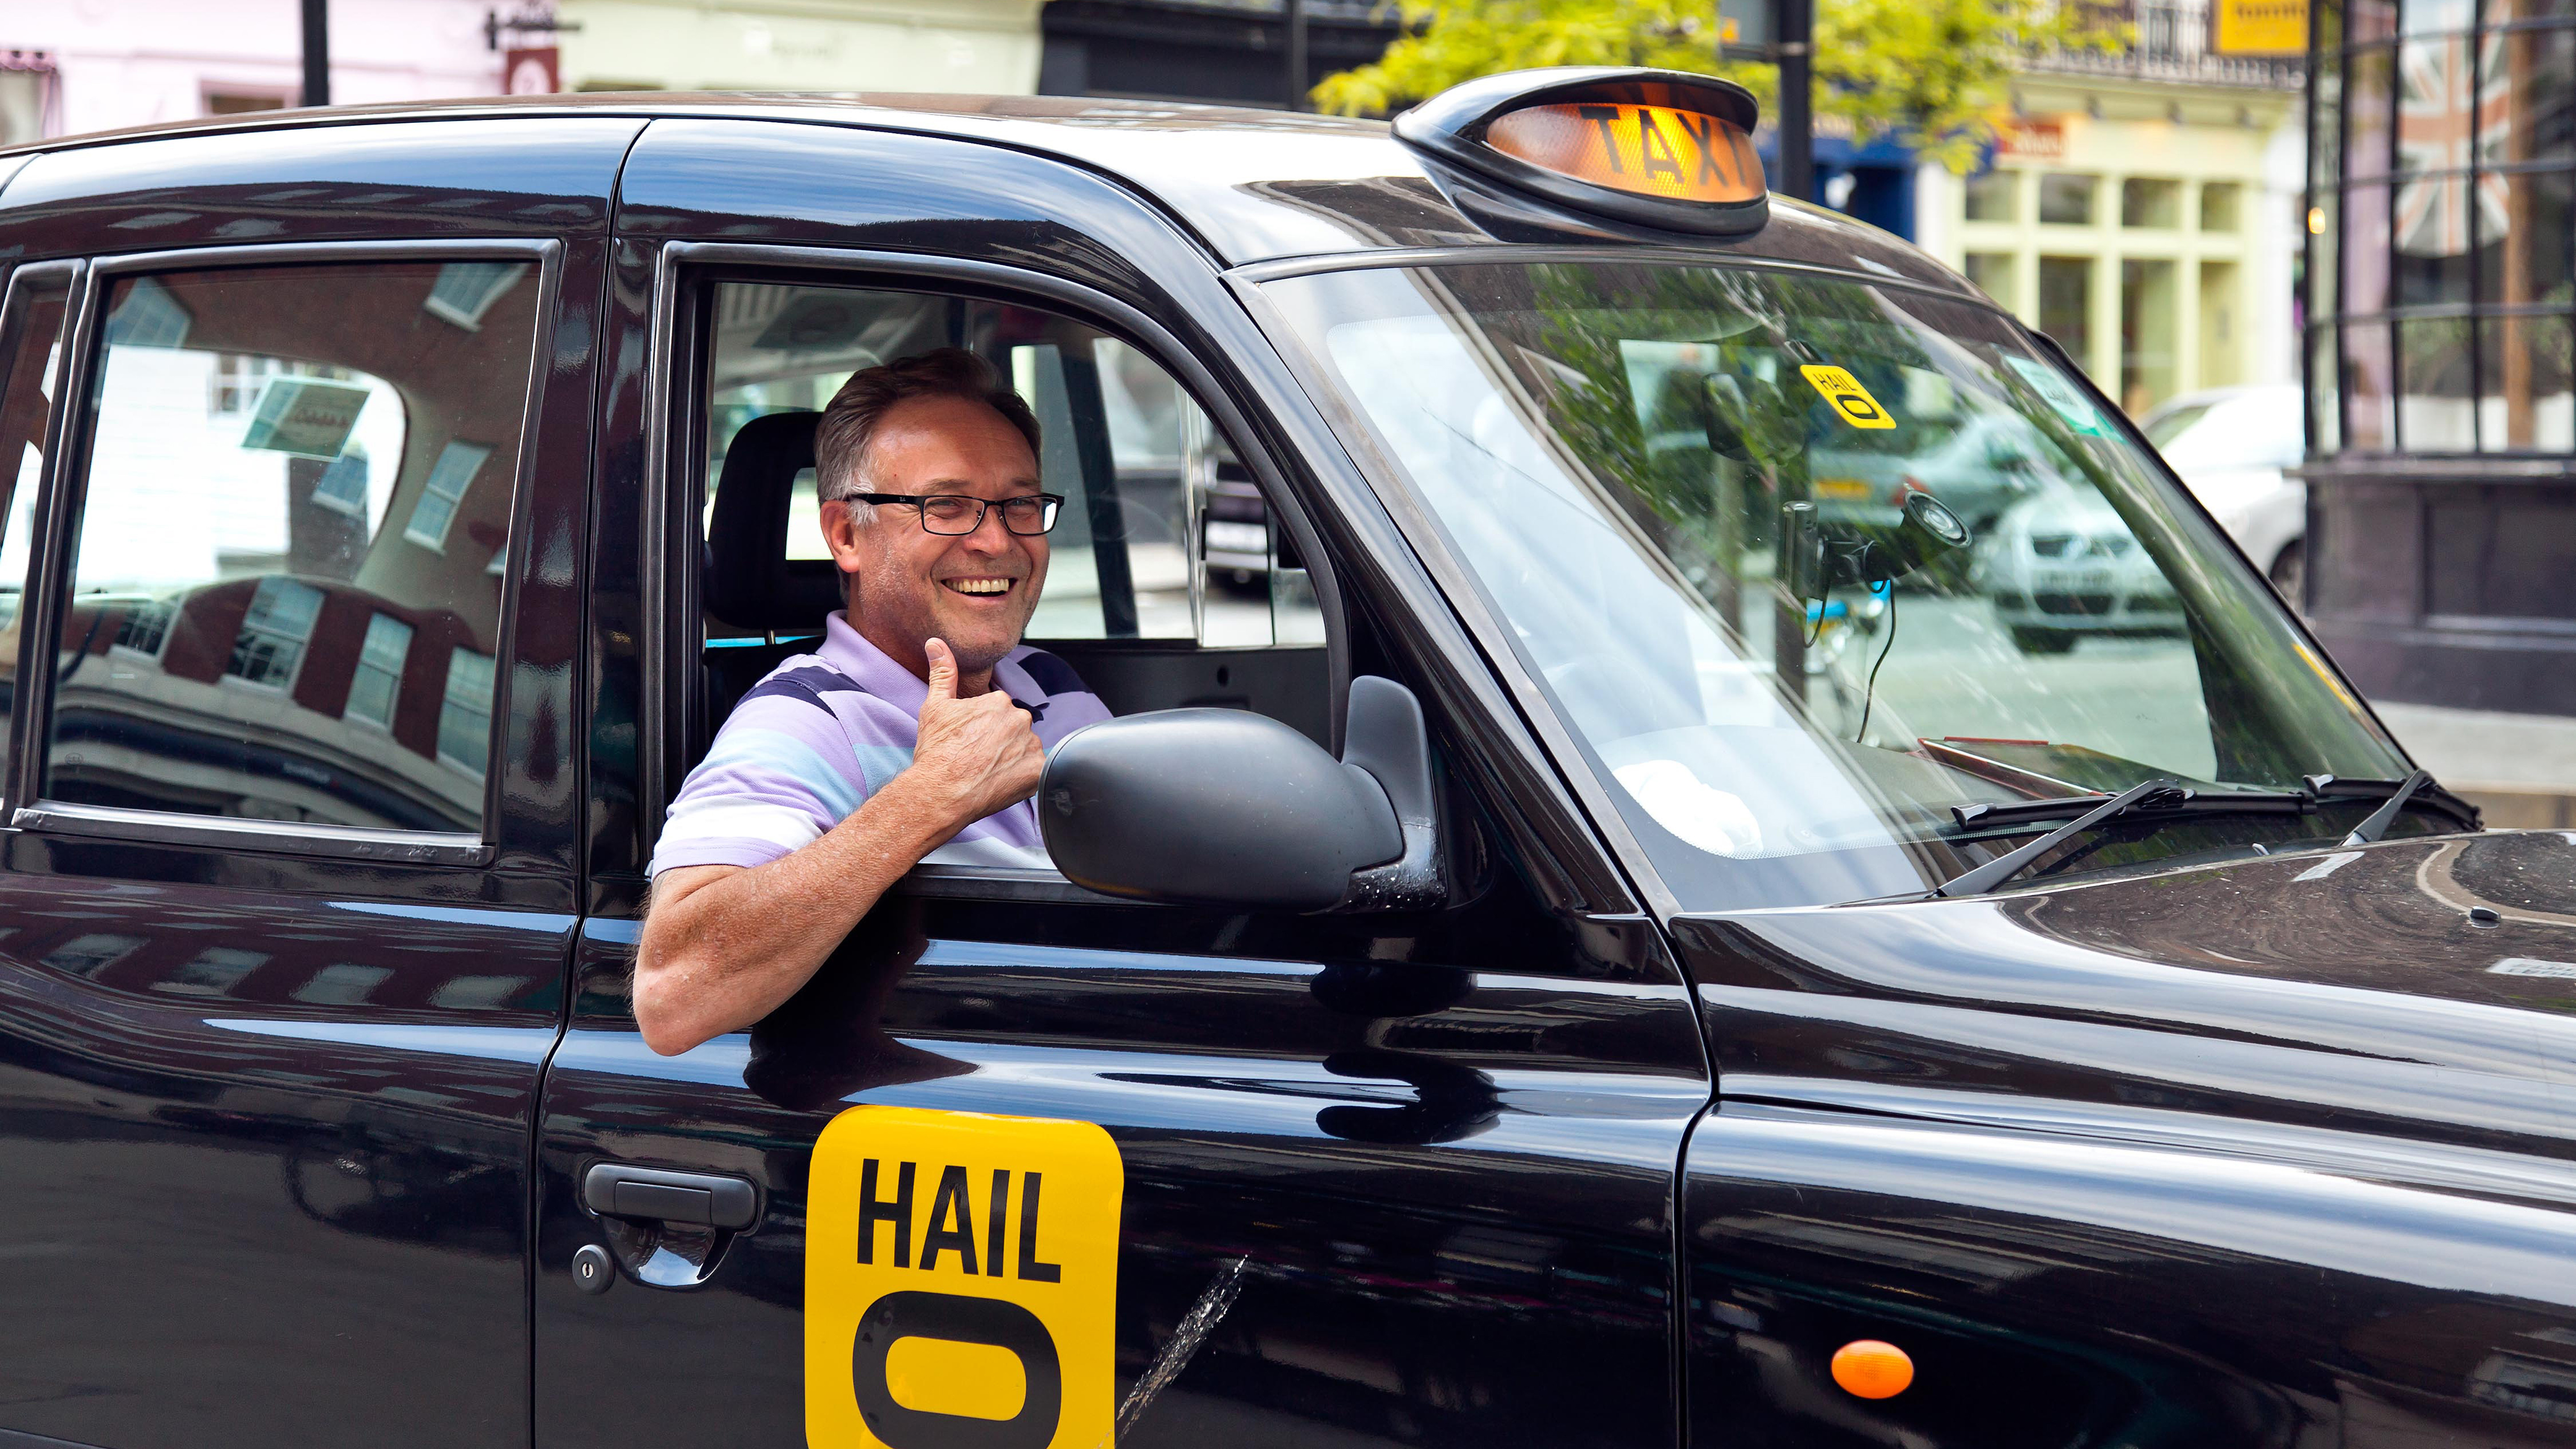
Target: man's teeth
{"x": 980, "y": 586}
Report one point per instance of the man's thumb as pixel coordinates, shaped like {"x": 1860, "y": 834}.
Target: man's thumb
{"x": 943, "y": 670}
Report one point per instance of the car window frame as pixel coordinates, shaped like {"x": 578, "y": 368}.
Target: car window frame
{"x": 62, "y": 493}
{"x": 685, "y": 274}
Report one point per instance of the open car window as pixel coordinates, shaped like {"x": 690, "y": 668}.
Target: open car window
{"x": 1163, "y": 536}
{"x": 1167, "y": 585}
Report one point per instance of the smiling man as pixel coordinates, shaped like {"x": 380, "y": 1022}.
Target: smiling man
{"x": 919, "y": 725}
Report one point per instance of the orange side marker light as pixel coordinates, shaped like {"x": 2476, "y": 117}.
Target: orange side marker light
{"x": 1870, "y": 1369}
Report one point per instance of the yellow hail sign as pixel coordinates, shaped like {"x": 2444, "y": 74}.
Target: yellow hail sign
{"x": 1852, "y": 402}
{"x": 961, "y": 1282}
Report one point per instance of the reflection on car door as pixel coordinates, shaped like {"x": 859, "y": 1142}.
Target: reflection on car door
{"x": 287, "y": 903}
{"x": 1421, "y": 1169}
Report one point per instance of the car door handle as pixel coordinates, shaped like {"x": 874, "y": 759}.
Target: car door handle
{"x": 614, "y": 1189}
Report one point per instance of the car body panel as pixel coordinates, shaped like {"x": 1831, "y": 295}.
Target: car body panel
{"x": 266, "y": 1111}
{"x": 2186, "y": 1157}
{"x": 1252, "y": 185}
{"x": 1448, "y": 1189}
{"x": 243, "y": 1181}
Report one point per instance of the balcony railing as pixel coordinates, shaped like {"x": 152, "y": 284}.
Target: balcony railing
{"x": 2170, "y": 42}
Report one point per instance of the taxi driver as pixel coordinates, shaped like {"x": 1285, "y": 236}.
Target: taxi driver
{"x": 918, "y": 724}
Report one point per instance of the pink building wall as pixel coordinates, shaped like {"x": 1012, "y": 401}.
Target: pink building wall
{"x": 132, "y": 62}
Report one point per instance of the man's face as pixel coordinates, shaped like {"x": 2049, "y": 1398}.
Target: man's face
{"x": 909, "y": 585}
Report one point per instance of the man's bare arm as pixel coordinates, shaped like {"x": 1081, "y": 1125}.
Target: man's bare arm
{"x": 724, "y": 946}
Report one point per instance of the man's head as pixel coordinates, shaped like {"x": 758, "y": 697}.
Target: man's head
{"x": 939, "y": 423}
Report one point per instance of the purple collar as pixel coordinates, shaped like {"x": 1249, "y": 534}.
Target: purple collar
{"x": 874, "y": 670}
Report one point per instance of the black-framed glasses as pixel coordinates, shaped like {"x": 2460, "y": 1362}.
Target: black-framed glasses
{"x": 956, "y": 514}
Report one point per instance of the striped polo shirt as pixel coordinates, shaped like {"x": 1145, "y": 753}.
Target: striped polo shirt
{"x": 823, "y": 731}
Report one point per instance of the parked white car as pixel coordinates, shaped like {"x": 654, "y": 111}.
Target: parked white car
{"x": 2231, "y": 446}
{"x": 2062, "y": 565}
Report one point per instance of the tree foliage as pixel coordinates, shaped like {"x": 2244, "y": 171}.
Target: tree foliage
{"x": 1936, "y": 74}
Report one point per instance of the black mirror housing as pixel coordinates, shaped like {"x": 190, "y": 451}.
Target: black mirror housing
{"x": 1816, "y": 555}
{"x": 1222, "y": 807}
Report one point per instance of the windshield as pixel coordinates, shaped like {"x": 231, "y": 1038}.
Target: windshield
{"x": 1806, "y": 563}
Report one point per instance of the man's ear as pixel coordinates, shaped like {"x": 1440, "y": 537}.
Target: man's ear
{"x": 844, "y": 535}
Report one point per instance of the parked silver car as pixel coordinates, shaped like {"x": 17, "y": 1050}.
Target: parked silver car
{"x": 2062, "y": 564}
{"x": 2232, "y": 446}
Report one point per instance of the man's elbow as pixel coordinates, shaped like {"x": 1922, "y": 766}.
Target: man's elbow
{"x": 665, "y": 1022}
{"x": 669, "y": 1014}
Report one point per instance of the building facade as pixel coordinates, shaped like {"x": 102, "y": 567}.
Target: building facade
{"x": 1220, "y": 52}
{"x": 2143, "y": 209}
{"x": 981, "y": 47}
{"x": 2441, "y": 386}
{"x": 67, "y": 68}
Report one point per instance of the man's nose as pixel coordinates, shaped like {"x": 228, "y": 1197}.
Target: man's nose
{"x": 990, "y": 534}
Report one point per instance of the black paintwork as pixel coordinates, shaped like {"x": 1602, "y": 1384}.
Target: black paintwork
{"x": 2265, "y": 1153}
{"x": 2249, "y": 1154}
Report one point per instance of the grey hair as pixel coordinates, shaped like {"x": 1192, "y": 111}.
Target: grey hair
{"x": 851, "y": 418}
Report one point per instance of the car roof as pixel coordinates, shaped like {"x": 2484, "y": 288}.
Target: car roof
{"x": 1252, "y": 185}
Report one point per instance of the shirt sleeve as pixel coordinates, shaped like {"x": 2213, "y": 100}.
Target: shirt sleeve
{"x": 781, "y": 773}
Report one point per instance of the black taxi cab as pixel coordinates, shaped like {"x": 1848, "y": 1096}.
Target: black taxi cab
{"x": 1636, "y": 894}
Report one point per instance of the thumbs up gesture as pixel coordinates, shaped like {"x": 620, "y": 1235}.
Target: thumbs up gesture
{"x": 981, "y": 754}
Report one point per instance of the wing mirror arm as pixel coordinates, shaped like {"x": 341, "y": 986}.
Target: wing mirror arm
{"x": 1384, "y": 738}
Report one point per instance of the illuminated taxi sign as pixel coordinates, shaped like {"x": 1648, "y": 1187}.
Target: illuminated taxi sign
{"x": 1649, "y": 150}
{"x": 1573, "y": 148}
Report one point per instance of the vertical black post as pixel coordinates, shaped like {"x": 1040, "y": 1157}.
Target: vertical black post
{"x": 1294, "y": 12}
{"x": 1797, "y": 99}
{"x": 317, "y": 52}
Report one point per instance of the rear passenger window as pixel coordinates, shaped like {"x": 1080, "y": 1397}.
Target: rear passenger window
{"x": 287, "y": 568}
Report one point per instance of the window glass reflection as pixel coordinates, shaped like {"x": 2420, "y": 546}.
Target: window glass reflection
{"x": 299, "y": 487}
{"x": 1809, "y": 565}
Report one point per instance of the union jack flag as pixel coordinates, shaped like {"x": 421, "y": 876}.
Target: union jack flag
{"x": 2445, "y": 119}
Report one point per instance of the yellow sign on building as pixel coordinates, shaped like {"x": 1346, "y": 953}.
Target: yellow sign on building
{"x": 2260, "y": 27}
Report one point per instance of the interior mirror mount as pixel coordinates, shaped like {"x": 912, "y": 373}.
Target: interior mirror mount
{"x": 1223, "y": 807}
{"x": 1817, "y": 555}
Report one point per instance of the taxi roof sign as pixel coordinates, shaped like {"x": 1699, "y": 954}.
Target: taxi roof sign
{"x": 1657, "y": 148}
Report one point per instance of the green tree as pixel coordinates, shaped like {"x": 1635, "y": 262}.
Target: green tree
{"x": 1935, "y": 73}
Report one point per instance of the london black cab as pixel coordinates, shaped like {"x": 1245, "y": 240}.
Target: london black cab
{"x": 1723, "y": 858}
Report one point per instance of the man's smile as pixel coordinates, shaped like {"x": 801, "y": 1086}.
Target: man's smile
{"x": 980, "y": 586}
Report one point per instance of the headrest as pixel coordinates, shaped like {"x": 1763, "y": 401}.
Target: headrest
{"x": 750, "y": 581}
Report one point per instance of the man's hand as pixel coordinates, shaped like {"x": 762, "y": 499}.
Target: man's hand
{"x": 977, "y": 755}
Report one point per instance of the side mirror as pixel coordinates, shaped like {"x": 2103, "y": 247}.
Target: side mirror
{"x": 1222, "y": 807}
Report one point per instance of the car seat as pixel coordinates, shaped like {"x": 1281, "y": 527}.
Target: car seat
{"x": 750, "y": 583}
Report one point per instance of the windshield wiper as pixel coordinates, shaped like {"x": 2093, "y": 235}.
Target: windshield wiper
{"x": 2418, "y": 789}
{"x": 2378, "y": 823}
{"x": 2000, "y": 818}
{"x": 2150, "y": 795}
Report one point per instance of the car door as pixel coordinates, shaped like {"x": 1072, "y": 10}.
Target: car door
{"x": 289, "y": 863}
{"x": 1249, "y": 1178}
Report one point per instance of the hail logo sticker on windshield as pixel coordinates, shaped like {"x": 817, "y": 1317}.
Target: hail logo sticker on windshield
{"x": 1851, "y": 401}
{"x": 961, "y": 1282}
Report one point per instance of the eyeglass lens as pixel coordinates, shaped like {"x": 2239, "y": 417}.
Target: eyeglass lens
{"x": 955, "y": 513}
